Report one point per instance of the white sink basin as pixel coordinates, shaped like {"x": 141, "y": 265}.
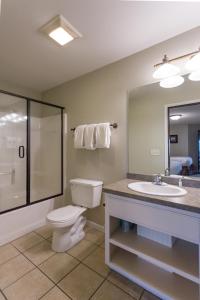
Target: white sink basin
{"x": 165, "y": 189}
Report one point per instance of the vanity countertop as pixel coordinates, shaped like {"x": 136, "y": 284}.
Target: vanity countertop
{"x": 189, "y": 202}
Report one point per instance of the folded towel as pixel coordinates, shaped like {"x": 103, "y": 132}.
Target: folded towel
{"x": 89, "y": 137}
{"x": 103, "y": 134}
{"x": 79, "y": 137}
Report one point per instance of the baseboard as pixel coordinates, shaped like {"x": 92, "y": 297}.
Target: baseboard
{"x": 95, "y": 225}
{"x": 20, "y": 232}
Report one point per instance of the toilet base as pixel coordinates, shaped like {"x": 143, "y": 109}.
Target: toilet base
{"x": 66, "y": 238}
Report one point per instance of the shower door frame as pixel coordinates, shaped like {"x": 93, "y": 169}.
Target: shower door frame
{"x": 28, "y": 150}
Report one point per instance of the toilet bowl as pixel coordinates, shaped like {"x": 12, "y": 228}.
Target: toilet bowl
{"x": 67, "y": 222}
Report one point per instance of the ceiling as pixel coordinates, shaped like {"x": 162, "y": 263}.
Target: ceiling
{"x": 190, "y": 114}
{"x": 111, "y": 29}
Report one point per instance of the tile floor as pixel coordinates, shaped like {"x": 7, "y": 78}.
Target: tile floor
{"x": 30, "y": 270}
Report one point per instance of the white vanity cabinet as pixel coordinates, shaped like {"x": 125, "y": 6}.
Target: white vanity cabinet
{"x": 169, "y": 273}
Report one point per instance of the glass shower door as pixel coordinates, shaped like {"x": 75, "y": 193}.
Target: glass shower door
{"x": 13, "y": 161}
{"x": 46, "y": 179}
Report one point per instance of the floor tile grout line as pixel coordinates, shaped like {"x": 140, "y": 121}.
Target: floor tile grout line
{"x": 99, "y": 286}
{"x": 97, "y": 289}
{"x": 37, "y": 266}
{"x": 142, "y": 294}
{"x": 46, "y": 292}
{"x": 64, "y": 292}
{"x": 18, "y": 279}
{"x": 32, "y": 261}
{"x": 84, "y": 257}
{"x": 4, "y": 295}
{"x": 123, "y": 289}
{"x": 22, "y": 251}
{"x": 80, "y": 262}
{"x": 68, "y": 273}
{"x": 106, "y": 279}
{"x": 93, "y": 242}
{"x": 9, "y": 259}
{"x": 45, "y": 238}
{"x": 56, "y": 284}
{"x": 94, "y": 270}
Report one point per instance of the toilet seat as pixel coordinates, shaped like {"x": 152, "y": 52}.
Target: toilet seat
{"x": 65, "y": 216}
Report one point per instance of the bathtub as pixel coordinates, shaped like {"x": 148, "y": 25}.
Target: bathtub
{"x": 21, "y": 221}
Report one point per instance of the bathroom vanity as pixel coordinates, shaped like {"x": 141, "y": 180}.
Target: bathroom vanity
{"x": 168, "y": 272}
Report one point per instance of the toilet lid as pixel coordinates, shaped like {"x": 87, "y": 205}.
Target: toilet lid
{"x": 66, "y": 213}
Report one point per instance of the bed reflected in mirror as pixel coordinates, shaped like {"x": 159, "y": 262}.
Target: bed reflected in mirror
{"x": 184, "y": 140}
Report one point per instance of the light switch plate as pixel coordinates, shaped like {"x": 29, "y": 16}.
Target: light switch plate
{"x": 155, "y": 152}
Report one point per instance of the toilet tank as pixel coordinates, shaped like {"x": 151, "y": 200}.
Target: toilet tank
{"x": 85, "y": 192}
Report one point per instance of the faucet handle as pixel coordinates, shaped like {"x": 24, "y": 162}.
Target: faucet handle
{"x": 180, "y": 181}
{"x": 167, "y": 172}
{"x": 157, "y": 178}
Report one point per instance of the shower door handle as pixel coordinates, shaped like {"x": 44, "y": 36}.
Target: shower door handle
{"x": 21, "y": 151}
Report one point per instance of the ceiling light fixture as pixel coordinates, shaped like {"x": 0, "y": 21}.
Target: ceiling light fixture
{"x": 175, "y": 117}
{"x": 193, "y": 63}
{"x": 60, "y": 30}
{"x": 168, "y": 73}
{"x": 195, "y": 76}
{"x": 172, "y": 82}
{"x": 166, "y": 69}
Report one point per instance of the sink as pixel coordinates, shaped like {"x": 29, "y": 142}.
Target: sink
{"x": 166, "y": 190}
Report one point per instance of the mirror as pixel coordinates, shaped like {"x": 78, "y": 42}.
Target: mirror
{"x": 151, "y": 130}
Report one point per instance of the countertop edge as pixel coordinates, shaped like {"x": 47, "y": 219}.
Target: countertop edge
{"x": 153, "y": 200}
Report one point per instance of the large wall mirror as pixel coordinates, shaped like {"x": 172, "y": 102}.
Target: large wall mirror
{"x": 158, "y": 141}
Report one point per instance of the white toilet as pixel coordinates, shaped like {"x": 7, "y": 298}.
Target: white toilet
{"x": 68, "y": 222}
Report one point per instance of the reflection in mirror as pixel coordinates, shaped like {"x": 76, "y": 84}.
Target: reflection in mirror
{"x": 184, "y": 140}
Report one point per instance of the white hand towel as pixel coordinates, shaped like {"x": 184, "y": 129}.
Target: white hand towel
{"x": 79, "y": 137}
{"x": 89, "y": 137}
{"x": 103, "y": 134}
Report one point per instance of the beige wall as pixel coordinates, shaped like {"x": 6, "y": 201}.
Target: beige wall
{"x": 103, "y": 96}
{"x": 23, "y": 91}
{"x": 180, "y": 148}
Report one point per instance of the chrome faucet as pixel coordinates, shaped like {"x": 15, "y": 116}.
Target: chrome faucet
{"x": 157, "y": 179}
{"x": 180, "y": 181}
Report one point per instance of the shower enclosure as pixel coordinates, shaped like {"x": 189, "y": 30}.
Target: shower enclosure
{"x": 31, "y": 151}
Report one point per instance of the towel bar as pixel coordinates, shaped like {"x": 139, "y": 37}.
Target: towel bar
{"x": 114, "y": 125}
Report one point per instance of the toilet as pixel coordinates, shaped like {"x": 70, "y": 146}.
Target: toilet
{"x": 67, "y": 222}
